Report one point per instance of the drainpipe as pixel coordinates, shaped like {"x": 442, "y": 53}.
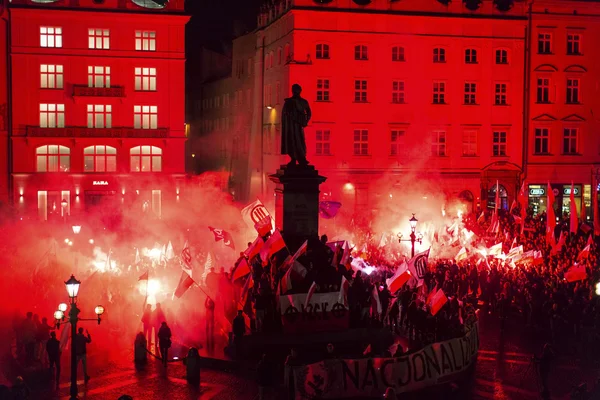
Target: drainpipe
{"x": 261, "y": 70}
{"x": 527, "y": 90}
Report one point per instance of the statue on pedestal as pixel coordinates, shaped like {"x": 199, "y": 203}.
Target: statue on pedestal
{"x": 294, "y": 118}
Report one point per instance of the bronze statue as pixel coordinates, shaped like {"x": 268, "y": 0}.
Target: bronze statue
{"x": 294, "y": 117}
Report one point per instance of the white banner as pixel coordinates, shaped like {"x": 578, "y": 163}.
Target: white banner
{"x": 324, "y": 312}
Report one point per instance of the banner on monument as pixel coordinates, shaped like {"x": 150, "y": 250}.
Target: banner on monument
{"x": 324, "y": 313}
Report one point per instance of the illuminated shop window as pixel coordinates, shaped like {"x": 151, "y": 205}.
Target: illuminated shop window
{"x": 438, "y": 144}
{"x": 99, "y": 159}
{"x": 499, "y": 143}
{"x": 323, "y": 142}
{"x": 52, "y": 115}
{"x": 145, "y": 40}
{"x": 98, "y": 77}
{"x": 146, "y": 159}
{"x": 99, "y": 39}
{"x": 145, "y": 117}
{"x": 99, "y": 116}
{"x": 51, "y": 76}
{"x": 500, "y": 94}
{"x": 50, "y": 36}
{"x": 145, "y": 79}
{"x": 53, "y": 158}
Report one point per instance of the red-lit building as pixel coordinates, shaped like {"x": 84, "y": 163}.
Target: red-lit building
{"x": 95, "y": 94}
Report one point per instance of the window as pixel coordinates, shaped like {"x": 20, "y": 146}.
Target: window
{"x": 99, "y": 159}
{"x": 322, "y": 89}
{"x": 543, "y": 90}
{"x": 51, "y": 76}
{"x": 500, "y": 94}
{"x": 396, "y": 136}
{"x": 50, "y": 204}
{"x": 470, "y": 92}
{"x": 438, "y": 144}
{"x": 360, "y": 53}
{"x": 99, "y": 77}
{"x": 99, "y": 116}
{"x": 361, "y": 142}
{"x": 570, "y": 141}
{"x": 360, "y": 91}
{"x": 53, "y": 158}
{"x": 499, "y": 143}
{"x": 322, "y": 142}
{"x": 98, "y": 39}
{"x": 146, "y": 159}
{"x": 544, "y": 43}
{"x": 572, "y": 91}
{"x": 439, "y": 93}
{"x": 145, "y": 79}
{"x": 145, "y": 40}
{"x": 52, "y": 115}
{"x": 322, "y": 51}
{"x": 50, "y": 37}
{"x": 439, "y": 55}
{"x": 573, "y": 44}
{"x": 398, "y": 53}
{"x": 501, "y": 56}
{"x": 469, "y": 143}
{"x": 541, "y": 141}
{"x": 398, "y": 92}
{"x": 471, "y": 56}
{"x": 145, "y": 117}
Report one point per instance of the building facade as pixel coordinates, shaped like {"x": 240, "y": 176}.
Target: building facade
{"x": 96, "y": 105}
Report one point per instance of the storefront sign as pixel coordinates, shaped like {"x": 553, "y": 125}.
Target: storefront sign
{"x": 100, "y": 183}
{"x": 567, "y": 191}
{"x": 537, "y": 192}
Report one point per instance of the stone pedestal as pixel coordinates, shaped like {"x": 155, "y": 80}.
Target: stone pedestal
{"x": 297, "y": 203}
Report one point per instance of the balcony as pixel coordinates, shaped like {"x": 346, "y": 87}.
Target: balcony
{"x": 85, "y": 91}
{"x": 83, "y": 132}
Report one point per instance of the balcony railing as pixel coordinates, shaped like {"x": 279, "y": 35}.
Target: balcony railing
{"x": 83, "y": 132}
{"x": 113, "y": 91}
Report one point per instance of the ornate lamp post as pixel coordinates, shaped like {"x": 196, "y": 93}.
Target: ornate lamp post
{"x": 72, "y": 286}
{"x": 414, "y": 237}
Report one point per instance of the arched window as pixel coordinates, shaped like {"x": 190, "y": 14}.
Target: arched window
{"x": 146, "y": 159}
{"x": 491, "y": 203}
{"x": 398, "y": 53}
{"x": 99, "y": 159}
{"x": 53, "y": 158}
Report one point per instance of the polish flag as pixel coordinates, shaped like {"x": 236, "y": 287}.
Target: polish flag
{"x": 344, "y": 288}
{"x": 273, "y": 244}
{"x": 246, "y": 289}
{"x": 286, "y": 281}
{"x": 254, "y": 248}
{"x": 576, "y": 273}
{"x": 264, "y": 226}
{"x": 375, "y": 302}
{"x": 311, "y": 290}
{"x": 481, "y": 218}
{"x": 400, "y": 277}
{"x": 430, "y": 296}
{"x": 184, "y": 284}
{"x": 574, "y": 223}
{"x": 437, "y": 301}
{"x": 240, "y": 270}
{"x": 584, "y": 253}
{"x": 561, "y": 242}
{"x": 301, "y": 250}
{"x": 462, "y": 255}
{"x": 514, "y": 243}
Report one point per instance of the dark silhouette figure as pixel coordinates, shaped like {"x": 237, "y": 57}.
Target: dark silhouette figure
{"x": 239, "y": 329}
{"x": 158, "y": 317}
{"x": 28, "y": 330}
{"x": 294, "y": 118}
{"x": 53, "y": 350}
{"x": 164, "y": 342}
{"x": 210, "y": 323}
{"x": 81, "y": 342}
{"x": 147, "y": 323}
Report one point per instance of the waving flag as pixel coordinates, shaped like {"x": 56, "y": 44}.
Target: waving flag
{"x": 400, "y": 277}
{"x": 495, "y": 250}
{"x": 438, "y": 301}
{"x": 584, "y": 253}
{"x": 329, "y": 209}
{"x": 418, "y": 268}
{"x": 264, "y": 226}
{"x": 221, "y": 235}
{"x": 169, "y": 253}
{"x": 184, "y": 284}
{"x": 273, "y": 244}
{"x": 523, "y": 203}
{"x": 143, "y": 277}
{"x": 462, "y": 254}
{"x": 550, "y": 218}
{"x": 255, "y": 212}
{"x": 574, "y": 219}
{"x": 240, "y": 269}
{"x": 576, "y": 273}
{"x": 186, "y": 257}
{"x": 254, "y": 248}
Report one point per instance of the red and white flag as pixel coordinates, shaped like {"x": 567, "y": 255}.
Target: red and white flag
{"x": 375, "y": 302}
{"x": 254, "y": 213}
{"x": 254, "y": 248}
{"x": 240, "y": 269}
{"x": 576, "y": 273}
{"x": 561, "y": 242}
{"x": 514, "y": 243}
{"x": 184, "y": 284}
{"x": 495, "y": 250}
{"x": 418, "y": 267}
{"x": 513, "y": 205}
{"x": 437, "y": 302}
{"x": 550, "y": 218}
{"x": 523, "y": 200}
{"x": 400, "y": 277}
{"x": 481, "y": 218}
{"x": 273, "y": 244}
{"x": 246, "y": 289}
{"x": 221, "y": 235}
{"x": 301, "y": 250}
{"x": 186, "y": 257}
{"x": 584, "y": 253}
{"x": 344, "y": 288}
{"x": 430, "y": 296}
{"x": 311, "y": 290}
{"x": 462, "y": 254}
{"x": 264, "y": 226}
{"x": 574, "y": 223}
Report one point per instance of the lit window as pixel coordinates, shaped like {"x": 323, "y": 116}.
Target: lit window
{"x": 570, "y": 141}
{"x": 53, "y": 158}
{"x": 360, "y": 91}
{"x": 541, "y": 141}
{"x": 361, "y": 53}
{"x": 322, "y": 51}
{"x": 543, "y": 90}
{"x": 322, "y": 89}
{"x": 51, "y": 76}
{"x": 99, "y": 39}
{"x": 361, "y": 142}
{"x": 439, "y": 55}
{"x": 50, "y": 36}
{"x": 471, "y": 56}
{"x": 573, "y": 44}
{"x": 398, "y": 53}
{"x": 572, "y": 91}
{"x": 500, "y": 94}
{"x": 145, "y": 40}
{"x": 395, "y": 137}
{"x": 469, "y": 143}
{"x": 145, "y": 117}
{"x": 439, "y": 93}
{"x": 438, "y": 144}
{"x": 99, "y": 159}
{"x": 52, "y": 115}
{"x": 398, "y": 92}
{"x": 145, "y": 79}
{"x": 99, "y": 77}
{"x": 322, "y": 142}
{"x": 544, "y": 43}
{"x": 146, "y": 159}
{"x": 501, "y": 56}
{"x": 499, "y": 143}
{"x": 470, "y": 93}
{"x": 99, "y": 116}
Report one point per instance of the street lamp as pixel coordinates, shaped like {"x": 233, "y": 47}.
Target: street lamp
{"x": 414, "y": 237}
{"x": 76, "y": 229}
{"x": 72, "y": 286}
